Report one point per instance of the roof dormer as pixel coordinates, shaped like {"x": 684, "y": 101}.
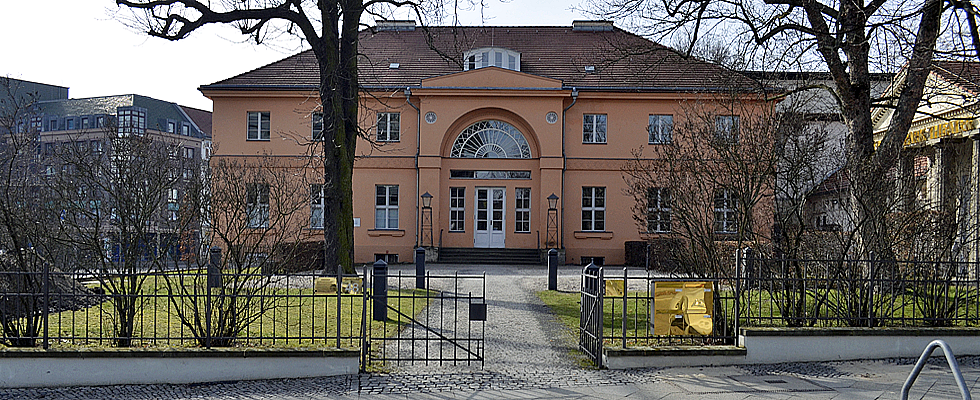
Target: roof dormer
{"x": 492, "y": 57}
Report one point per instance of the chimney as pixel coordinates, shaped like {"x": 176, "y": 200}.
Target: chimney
{"x": 592, "y": 26}
{"x": 395, "y": 25}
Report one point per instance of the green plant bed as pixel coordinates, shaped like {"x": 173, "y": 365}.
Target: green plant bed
{"x": 298, "y": 318}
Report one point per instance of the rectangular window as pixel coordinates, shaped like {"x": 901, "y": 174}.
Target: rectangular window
{"x": 189, "y": 152}
{"x": 457, "y": 209}
{"x": 257, "y": 205}
{"x": 171, "y": 127}
{"x": 317, "y": 126}
{"x": 660, "y": 129}
{"x": 172, "y": 205}
{"x": 36, "y": 124}
{"x": 388, "y": 126}
{"x": 69, "y": 124}
{"x": 594, "y": 128}
{"x": 658, "y": 210}
{"x": 85, "y": 124}
{"x": 726, "y": 128}
{"x": 726, "y": 214}
{"x": 132, "y": 121}
{"x": 185, "y": 130}
{"x": 386, "y": 207}
{"x": 316, "y": 206}
{"x": 100, "y": 121}
{"x": 523, "y": 209}
{"x": 593, "y": 208}
{"x": 95, "y": 146}
{"x": 53, "y": 125}
{"x": 258, "y": 125}
{"x": 49, "y": 149}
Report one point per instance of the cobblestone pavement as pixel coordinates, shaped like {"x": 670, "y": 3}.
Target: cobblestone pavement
{"x": 529, "y": 356}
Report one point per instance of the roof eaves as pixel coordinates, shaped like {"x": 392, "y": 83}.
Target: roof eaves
{"x": 257, "y": 87}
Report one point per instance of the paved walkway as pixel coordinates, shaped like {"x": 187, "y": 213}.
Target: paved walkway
{"x": 530, "y": 356}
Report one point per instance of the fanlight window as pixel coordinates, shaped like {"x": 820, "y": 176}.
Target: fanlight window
{"x": 491, "y": 139}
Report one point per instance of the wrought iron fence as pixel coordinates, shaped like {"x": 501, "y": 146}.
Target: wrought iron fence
{"x": 50, "y": 308}
{"x": 642, "y": 308}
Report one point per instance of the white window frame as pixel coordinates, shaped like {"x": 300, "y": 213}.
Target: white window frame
{"x": 660, "y": 129}
{"x": 316, "y": 206}
{"x": 594, "y": 128}
{"x": 173, "y": 207}
{"x": 522, "y": 210}
{"x": 594, "y": 208}
{"x": 257, "y": 205}
{"x": 658, "y": 210}
{"x": 386, "y": 207}
{"x": 726, "y": 212}
{"x": 316, "y": 126}
{"x": 185, "y": 130}
{"x": 726, "y": 128}
{"x": 260, "y": 129}
{"x": 457, "y": 209}
{"x": 389, "y": 127}
{"x": 171, "y": 127}
{"x": 132, "y": 121}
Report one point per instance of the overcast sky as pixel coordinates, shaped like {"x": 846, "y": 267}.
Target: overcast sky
{"x": 80, "y": 44}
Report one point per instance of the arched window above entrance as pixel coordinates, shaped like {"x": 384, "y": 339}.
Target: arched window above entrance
{"x": 490, "y": 139}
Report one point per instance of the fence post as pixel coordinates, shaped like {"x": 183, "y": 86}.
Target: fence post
{"x": 626, "y": 286}
{"x": 552, "y": 269}
{"x": 420, "y": 268}
{"x": 46, "y": 282}
{"x": 380, "y": 288}
{"x": 871, "y": 287}
{"x": 214, "y": 281}
{"x": 340, "y": 284}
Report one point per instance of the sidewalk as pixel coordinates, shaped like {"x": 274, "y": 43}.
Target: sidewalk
{"x": 529, "y": 355}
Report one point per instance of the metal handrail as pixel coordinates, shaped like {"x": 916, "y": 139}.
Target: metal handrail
{"x": 950, "y": 359}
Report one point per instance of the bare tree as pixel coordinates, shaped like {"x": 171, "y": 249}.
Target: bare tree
{"x": 848, "y": 39}
{"x": 332, "y": 29}
{"x": 113, "y": 187}
{"x": 27, "y": 223}
{"x": 251, "y": 212}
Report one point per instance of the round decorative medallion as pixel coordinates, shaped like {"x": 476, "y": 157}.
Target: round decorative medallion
{"x": 430, "y": 117}
{"x": 551, "y": 117}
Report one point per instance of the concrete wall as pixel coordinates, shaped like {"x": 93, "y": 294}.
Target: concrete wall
{"x": 87, "y": 368}
{"x": 778, "y": 345}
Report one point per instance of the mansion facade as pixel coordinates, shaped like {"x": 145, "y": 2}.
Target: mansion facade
{"x": 484, "y": 137}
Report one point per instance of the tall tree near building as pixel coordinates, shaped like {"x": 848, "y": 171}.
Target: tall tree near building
{"x": 850, "y": 39}
{"x": 331, "y": 28}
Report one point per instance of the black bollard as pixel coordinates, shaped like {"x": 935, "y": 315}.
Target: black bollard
{"x": 420, "y": 268}
{"x": 214, "y": 268}
{"x": 380, "y": 290}
{"x": 552, "y": 269}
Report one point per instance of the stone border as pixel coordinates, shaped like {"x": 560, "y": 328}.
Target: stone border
{"x": 779, "y": 345}
{"x": 96, "y": 367}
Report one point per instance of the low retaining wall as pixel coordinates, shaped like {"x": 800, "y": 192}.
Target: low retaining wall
{"x": 778, "y": 345}
{"x": 47, "y": 368}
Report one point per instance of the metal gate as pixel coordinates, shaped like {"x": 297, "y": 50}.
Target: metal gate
{"x": 432, "y": 319}
{"x": 590, "y": 319}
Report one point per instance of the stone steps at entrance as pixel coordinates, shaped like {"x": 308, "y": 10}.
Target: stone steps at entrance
{"x": 457, "y": 255}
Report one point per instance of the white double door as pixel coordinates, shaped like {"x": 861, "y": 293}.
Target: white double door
{"x": 490, "y": 203}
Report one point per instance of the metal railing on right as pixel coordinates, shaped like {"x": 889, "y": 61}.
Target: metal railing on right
{"x": 954, "y": 367}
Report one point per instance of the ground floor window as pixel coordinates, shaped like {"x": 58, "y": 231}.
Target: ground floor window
{"x": 457, "y": 209}
{"x": 593, "y": 208}
{"x": 316, "y": 206}
{"x": 658, "y": 210}
{"x": 386, "y": 207}
{"x": 726, "y": 214}
{"x": 257, "y": 205}
{"x": 523, "y": 210}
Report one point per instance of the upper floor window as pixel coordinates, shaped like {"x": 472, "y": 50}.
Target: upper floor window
{"x": 132, "y": 121}
{"x": 660, "y": 129}
{"x": 85, "y": 123}
{"x": 594, "y": 128}
{"x": 490, "y": 139}
{"x": 317, "y": 123}
{"x": 171, "y": 127}
{"x": 388, "y": 126}
{"x": 492, "y": 57}
{"x": 316, "y": 206}
{"x": 258, "y": 125}
{"x": 69, "y": 124}
{"x": 185, "y": 130}
{"x": 726, "y": 128}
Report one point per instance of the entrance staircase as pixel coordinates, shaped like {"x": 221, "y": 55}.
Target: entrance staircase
{"x": 456, "y": 255}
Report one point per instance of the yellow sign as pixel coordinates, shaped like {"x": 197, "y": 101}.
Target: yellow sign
{"x": 329, "y": 286}
{"x": 615, "y": 287}
{"x": 939, "y": 131}
{"x": 682, "y": 308}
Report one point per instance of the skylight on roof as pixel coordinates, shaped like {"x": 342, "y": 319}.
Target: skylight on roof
{"x": 492, "y": 57}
